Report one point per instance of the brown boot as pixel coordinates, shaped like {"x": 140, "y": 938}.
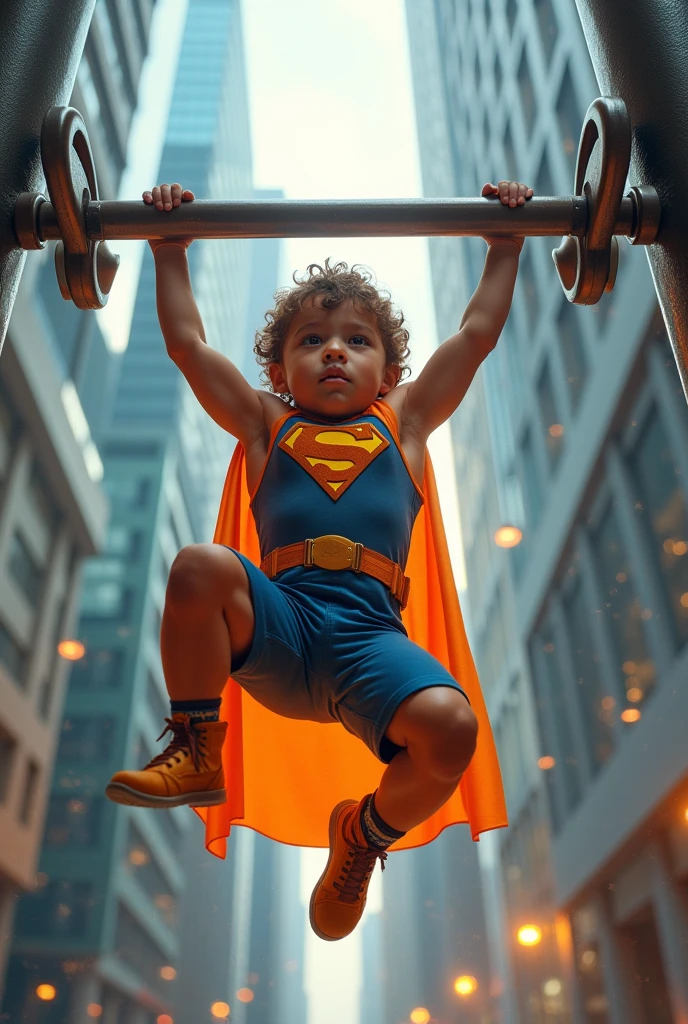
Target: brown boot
{"x": 188, "y": 771}
{"x": 339, "y": 897}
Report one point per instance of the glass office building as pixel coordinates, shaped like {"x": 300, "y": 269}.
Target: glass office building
{"x": 574, "y": 430}
{"x": 56, "y": 379}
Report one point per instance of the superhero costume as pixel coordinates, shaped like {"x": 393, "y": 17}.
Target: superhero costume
{"x": 332, "y": 646}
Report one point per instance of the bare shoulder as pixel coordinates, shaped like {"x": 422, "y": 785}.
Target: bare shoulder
{"x": 411, "y": 439}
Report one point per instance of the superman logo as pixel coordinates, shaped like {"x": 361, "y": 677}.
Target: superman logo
{"x": 333, "y": 455}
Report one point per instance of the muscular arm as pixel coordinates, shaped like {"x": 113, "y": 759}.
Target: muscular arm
{"x": 218, "y": 385}
{"x": 448, "y": 373}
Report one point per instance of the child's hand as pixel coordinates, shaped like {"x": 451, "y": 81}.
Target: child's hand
{"x": 165, "y": 198}
{"x": 510, "y": 193}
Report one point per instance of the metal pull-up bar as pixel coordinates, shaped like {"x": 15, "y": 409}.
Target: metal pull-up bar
{"x": 590, "y": 219}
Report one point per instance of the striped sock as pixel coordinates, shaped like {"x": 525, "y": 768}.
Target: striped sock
{"x": 377, "y": 832}
{"x": 199, "y": 710}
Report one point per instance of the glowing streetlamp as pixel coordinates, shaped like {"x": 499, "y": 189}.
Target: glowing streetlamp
{"x": 46, "y": 992}
{"x": 529, "y": 935}
{"x": 71, "y": 650}
{"x": 465, "y": 985}
{"x": 220, "y": 1010}
{"x": 508, "y": 536}
{"x": 419, "y": 1016}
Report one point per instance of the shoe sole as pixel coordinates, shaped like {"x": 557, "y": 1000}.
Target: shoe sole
{"x": 311, "y": 905}
{"x": 121, "y": 794}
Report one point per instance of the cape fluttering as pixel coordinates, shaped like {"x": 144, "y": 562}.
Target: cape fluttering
{"x": 283, "y": 776}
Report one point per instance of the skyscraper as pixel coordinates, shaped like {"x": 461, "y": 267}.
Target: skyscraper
{"x": 55, "y": 380}
{"x": 575, "y": 431}
{"x": 104, "y": 928}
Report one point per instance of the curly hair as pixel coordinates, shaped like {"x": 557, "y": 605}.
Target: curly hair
{"x": 332, "y": 285}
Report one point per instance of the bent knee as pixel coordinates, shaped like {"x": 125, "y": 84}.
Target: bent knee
{"x": 202, "y": 574}
{"x": 447, "y": 744}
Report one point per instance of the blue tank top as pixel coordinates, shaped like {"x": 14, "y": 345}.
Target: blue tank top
{"x": 347, "y": 478}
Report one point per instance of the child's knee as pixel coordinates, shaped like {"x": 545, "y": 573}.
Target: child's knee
{"x": 203, "y": 574}
{"x": 446, "y": 742}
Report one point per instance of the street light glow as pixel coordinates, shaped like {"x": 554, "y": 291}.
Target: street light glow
{"x": 508, "y": 536}
{"x": 529, "y": 935}
{"x": 419, "y": 1016}
{"x": 71, "y": 650}
{"x": 46, "y": 992}
{"x": 220, "y": 1010}
{"x": 465, "y": 985}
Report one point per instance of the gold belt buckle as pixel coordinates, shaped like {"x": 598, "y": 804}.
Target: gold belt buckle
{"x": 333, "y": 552}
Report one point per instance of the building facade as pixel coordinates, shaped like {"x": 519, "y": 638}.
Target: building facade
{"x": 56, "y": 376}
{"x": 108, "y": 927}
{"x": 575, "y": 431}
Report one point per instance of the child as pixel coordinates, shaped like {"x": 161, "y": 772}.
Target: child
{"x": 337, "y": 480}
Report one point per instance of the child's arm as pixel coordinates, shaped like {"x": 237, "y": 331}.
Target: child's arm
{"x": 447, "y": 375}
{"x": 220, "y": 388}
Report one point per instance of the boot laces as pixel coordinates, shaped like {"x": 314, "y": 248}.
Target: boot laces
{"x": 185, "y": 738}
{"x": 357, "y": 870}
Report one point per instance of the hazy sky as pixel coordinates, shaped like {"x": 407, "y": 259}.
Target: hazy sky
{"x": 332, "y": 116}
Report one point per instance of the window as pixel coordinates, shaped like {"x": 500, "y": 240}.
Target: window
{"x": 570, "y": 119}
{"x": 101, "y": 599}
{"x": 99, "y": 669}
{"x": 136, "y": 948}
{"x": 547, "y": 23}
{"x": 597, "y": 707}
{"x": 529, "y": 290}
{"x": 59, "y": 910}
{"x": 572, "y": 351}
{"x": 525, "y": 87}
{"x": 24, "y": 568}
{"x": 8, "y": 748}
{"x": 29, "y": 792}
{"x": 622, "y": 611}
{"x": 530, "y": 481}
{"x": 41, "y": 501}
{"x": 555, "y": 729}
{"x": 552, "y": 427}
{"x": 123, "y": 542}
{"x": 143, "y": 867}
{"x": 74, "y": 821}
{"x": 661, "y": 505}
{"x": 13, "y": 658}
{"x": 86, "y": 739}
{"x": 128, "y": 490}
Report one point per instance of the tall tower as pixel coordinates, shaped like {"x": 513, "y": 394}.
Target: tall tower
{"x": 56, "y": 375}
{"x": 574, "y": 430}
{"x": 104, "y": 926}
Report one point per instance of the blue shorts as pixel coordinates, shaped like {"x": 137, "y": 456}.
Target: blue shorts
{"x": 331, "y": 647}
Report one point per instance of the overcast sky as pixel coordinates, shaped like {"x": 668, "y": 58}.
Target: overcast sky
{"x": 332, "y": 115}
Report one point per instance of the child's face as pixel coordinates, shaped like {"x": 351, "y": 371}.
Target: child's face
{"x": 334, "y": 361}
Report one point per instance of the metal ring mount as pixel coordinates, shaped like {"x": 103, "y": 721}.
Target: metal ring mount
{"x": 85, "y": 268}
{"x": 587, "y": 266}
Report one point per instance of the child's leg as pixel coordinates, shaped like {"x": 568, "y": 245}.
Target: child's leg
{"x": 208, "y": 620}
{"x": 438, "y": 730}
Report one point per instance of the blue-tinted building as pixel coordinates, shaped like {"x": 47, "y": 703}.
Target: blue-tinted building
{"x": 56, "y": 380}
{"x": 575, "y": 431}
{"x": 105, "y": 927}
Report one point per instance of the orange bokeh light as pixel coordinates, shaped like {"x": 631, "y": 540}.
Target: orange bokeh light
{"x": 71, "y": 650}
{"x": 556, "y": 430}
{"x": 164, "y": 1018}
{"x": 245, "y": 995}
{"x": 465, "y": 985}
{"x": 631, "y": 714}
{"x": 546, "y": 762}
{"x": 220, "y": 1010}
{"x": 94, "y": 1010}
{"x": 508, "y": 536}
{"x": 419, "y": 1016}
{"x": 529, "y": 935}
{"x": 46, "y": 992}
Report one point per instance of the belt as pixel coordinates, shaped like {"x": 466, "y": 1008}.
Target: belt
{"x": 334, "y": 552}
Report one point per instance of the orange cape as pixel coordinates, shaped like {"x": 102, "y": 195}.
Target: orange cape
{"x": 283, "y": 776}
